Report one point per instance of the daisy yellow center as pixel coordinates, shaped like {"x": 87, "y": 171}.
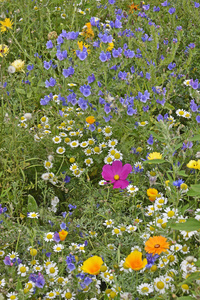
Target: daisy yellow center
{"x": 49, "y": 236}
{"x": 96, "y": 149}
{"x": 58, "y": 248}
{"x": 160, "y": 285}
{"x": 112, "y": 143}
{"x": 43, "y": 119}
{"x": 109, "y": 159}
{"x": 68, "y": 295}
{"x": 143, "y": 123}
{"x": 184, "y": 249}
{"x": 52, "y": 270}
{"x": 12, "y": 297}
{"x": 60, "y": 150}
{"x": 60, "y": 280}
{"x": 132, "y": 189}
{"x": 170, "y": 214}
{"x": 88, "y": 161}
{"x": 57, "y": 139}
{"x": 51, "y": 294}
{"x": 181, "y": 112}
{"x": 12, "y": 256}
{"x": 116, "y": 230}
{"x": 33, "y": 215}
{"x": 67, "y": 140}
{"x": 107, "y": 130}
{"x": 145, "y": 289}
{"x": 185, "y": 287}
{"x": 23, "y": 269}
{"x": 112, "y": 152}
{"x": 117, "y": 155}
{"x": 116, "y": 177}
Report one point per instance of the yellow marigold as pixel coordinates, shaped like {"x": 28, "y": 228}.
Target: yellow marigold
{"x": 92, "y": 265}
{"x": 90, "y": 119}
{"x": 87, "y": 31}
{"x": 156, "y": 245}
{"x": 3, "y": 50}
{"x": 110, "y": 46}
{"x": 152, "y": 194}
{"x": 134, "y": 261}
{"x": 193, "y": 164}
{"x": 63, "y": 234}
{"x": 7, "y": 23}
{"x": 154, "y": 155}
{"x": 18, "y": 64}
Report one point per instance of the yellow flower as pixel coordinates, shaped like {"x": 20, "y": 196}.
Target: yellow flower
{"x": 18, "y": 64}
{"x": 193, "y": 164}
{"x": 92, "y": 265}
{"x": 90, "y": 120}
{"x": 3, "y": 50}
{"x": 110, "y": 46}
{"x": 87, "y": 31}
{"x": 63, "y": 234}
{"x": 154, "y": 155}
{"x": 7, "y": 23}
{"x": 134, "y": 261}
{"x": 152, "y": 194}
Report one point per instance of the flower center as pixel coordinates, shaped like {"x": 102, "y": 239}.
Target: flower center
{"x": 160, "y": 285}
{"x": 116, "y": 177}
{"x": 157, "y": 246}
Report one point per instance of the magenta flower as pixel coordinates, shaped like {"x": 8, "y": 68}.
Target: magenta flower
{"x": 117, "y": 174}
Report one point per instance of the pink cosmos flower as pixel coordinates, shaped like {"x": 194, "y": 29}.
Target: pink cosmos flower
{"x": 117, "y": 174}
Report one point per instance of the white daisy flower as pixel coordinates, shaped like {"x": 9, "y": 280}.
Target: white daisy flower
{"x": 33, "y": 215}
{"x": 60, "y": 150}
{"x": 49, "y": 236}
{"x": 22, "y": 269}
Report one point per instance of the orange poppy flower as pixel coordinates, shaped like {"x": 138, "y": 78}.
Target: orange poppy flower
{"x": 156, "y": 245}
{"x": 90, "y": 119}
{"x": 152, "y": 194}
{"x": 134, "y": 261}
{"x": 92, "y": 265}
{"x": 133, "y": 7}
{"x": 63, "y": 234}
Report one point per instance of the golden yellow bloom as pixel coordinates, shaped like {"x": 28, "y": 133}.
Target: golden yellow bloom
{"x": 63, "y": 234}
{"x": 7, "y": 23}
{"x": 18, "y": 64}
{"x": 110, "y": 46}
{"x": 134, "y": 261}
{"x": 156, "y": 245}
{"x": 92, "y": 265}
{"x": 152, "y": 194}
{"x": 154, "y": 155}
{"x": 133, "y": 7}
{"x": 87, "y": 31}
{"x": 3, "y": 50}
{"x": 193, "y": 164}
{"x": 90, "y": 120}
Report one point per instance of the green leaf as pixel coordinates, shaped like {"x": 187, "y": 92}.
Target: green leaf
{"x": 154, "y": 161}
{"x": 197, "y": 263}
{"x": 29, "y": 94}
{"x": 186, "y": 298}
{"x": 192, "y": 193}
{"x": 169, "y": 106}
{"x": 195, "y": 187}
{"x": 20, "y": 91}
{"x": 190, "y": 225}
{"x": 182, "y": 173}
{"x": 19, "y": 285}
{"x": 32, "y": 204}
{"x": 195, "y": 138}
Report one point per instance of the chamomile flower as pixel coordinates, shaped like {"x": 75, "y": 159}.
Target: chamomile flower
{"x": 62, "y": 134}
{"x": 60, "y": 150}
{"x": 108, "y": 159}
{"x": 74, "y": 144}
{"x": 72, "y": 133}
{"x": 116, "y": 231}
{"x": 187, "y": 115}
{"x": 143, "y": 123}
{"x": 84, "y": 144}
{"x": 107, "y": 131}
{"x": 37, "y": 268}
{"x": 12, "y": 296}
{"x": 111, "y": 247}
{"x": 132, "y": 189}
{"x": 91, "y": 141}
{"x": 77, "y": 173}
{"x": 33, "y": 215}
{"x": 97, "y": 150}
{"x": 118, "y": 155}
{"x": 73, "y": 167}
{"x": 88, "y": 161}
{"x": 145, "y": 289}
{"x": 181, "y": 113}
{"x": 2, "y": 282}
{"x": 81, "y": 248}
{"x": 2, "y": 253}
{"x": 103, "y": 145}
{"x": 52, "y": 270}
{"x": 45, "y": 176}
{"x": 49, "y": 236}
{"x": 112, "y": 143}
{"x": 56, "y": 139}
{"x": 102, "y": 182}
{"x": 187, "y": 234}
{"x": 93, "y": 234}
{"x": 176, "y": 247}
{"x": 187, "y": 82}
{"x": 88, "y": 151}
{"x": 160, "y": 285}
{"x": 22, "y": 269}
{"x": 51, "y": 295}
{"x": 109, "y": 223}
{"x": 48, "y": 164}
{"x": 44, "y": 119}
{"x": 68, "y": 295}
{"x": 170, "y": 213}
{"x": 67, "y": 140}
{"x": 58, "y": 248}
{"x": 131, "y": 228}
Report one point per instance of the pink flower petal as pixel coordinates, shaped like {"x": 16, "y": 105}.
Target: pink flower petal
{"x": 120, "y": 184}
{"x": 116, "y": 167}
{"x": 107, "y": 173}
{"x": 127, "y": 168}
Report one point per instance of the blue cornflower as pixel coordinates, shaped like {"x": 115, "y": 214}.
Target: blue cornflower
{"x": 30, "y": 67}
{"x": 49, "y": 45}
{"x": 151, "y": 259}
{"x": 172, "y": 10}
{"x": 150, "y": 140}
{"x": 85, "y": 90}
{"x": 178, "y": 183}
{"x": 50, "y": 83}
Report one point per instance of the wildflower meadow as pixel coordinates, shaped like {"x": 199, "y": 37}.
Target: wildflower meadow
{"x": 100, "y": 149}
